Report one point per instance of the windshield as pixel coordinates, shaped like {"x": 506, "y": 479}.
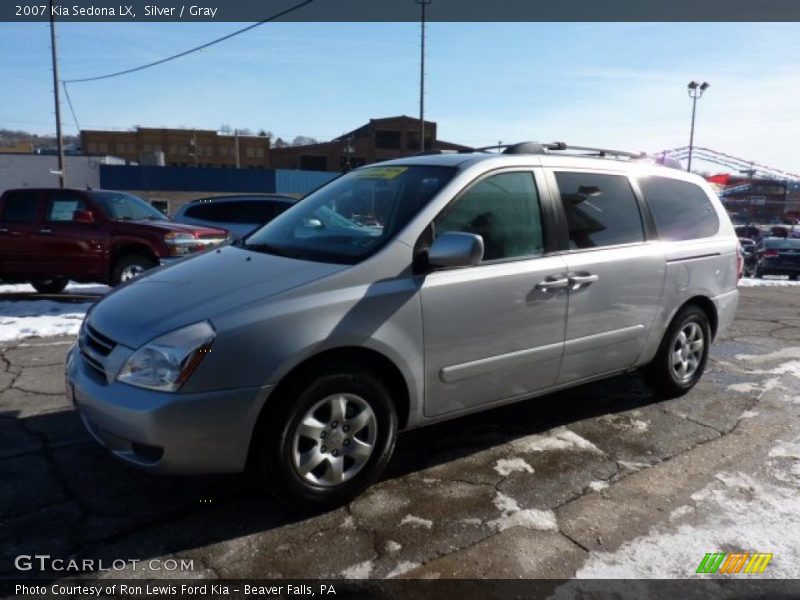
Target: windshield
{"x": 787, "y": 244}
{"x": 126, "y": 207}
{"x": 353, "y": 216}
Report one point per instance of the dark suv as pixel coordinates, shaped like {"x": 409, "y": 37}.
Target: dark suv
{"x": 49, "y": 236}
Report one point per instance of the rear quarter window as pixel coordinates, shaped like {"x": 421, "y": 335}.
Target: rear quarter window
{"x": 681, "y": 210}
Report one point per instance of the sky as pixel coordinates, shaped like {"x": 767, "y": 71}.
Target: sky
{"x": 618, "y": 85}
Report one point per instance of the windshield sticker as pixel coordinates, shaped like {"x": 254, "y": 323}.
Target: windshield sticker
{"x": 381, "y": 172}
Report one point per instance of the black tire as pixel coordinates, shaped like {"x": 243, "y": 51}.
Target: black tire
{"x": 274, "y": 439}
{"x": 661, "y": 374}
{"x": 129, "y": 262}
{"x": 758, "y": 273}
{"x": 53, "y": 285}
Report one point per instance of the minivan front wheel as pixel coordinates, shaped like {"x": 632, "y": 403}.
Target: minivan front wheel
{"x": 327, "y": 439}
{"x": 682, "y": 356}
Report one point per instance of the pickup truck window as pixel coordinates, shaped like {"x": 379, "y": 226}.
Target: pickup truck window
{"x": 20, "y": 207}
{"x": 126, "y": 207}
{"x": 62, "y": 208}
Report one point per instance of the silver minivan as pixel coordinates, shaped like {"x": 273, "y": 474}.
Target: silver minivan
{"x": 403, "y": 294}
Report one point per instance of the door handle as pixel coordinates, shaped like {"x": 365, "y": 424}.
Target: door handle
{"x": 581, "y": 280}
{"x": 46, "y": 231}
{"x": 552, "y": 284}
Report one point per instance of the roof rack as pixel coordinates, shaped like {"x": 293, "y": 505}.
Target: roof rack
{"x": 539, "y": 148}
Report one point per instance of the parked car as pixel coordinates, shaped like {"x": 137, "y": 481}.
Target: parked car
{"x": 239, "y": 215}
{"x": 301, "y": 351}
{"x": 777, "y": 256}
{"x": 49, "y": 236}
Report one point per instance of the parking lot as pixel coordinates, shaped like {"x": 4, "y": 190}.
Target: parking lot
{"x": 605, "y": 480}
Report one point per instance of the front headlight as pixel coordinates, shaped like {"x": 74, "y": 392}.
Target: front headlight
{"x": 181, "y": 244}
{"x": 167, "y": 361}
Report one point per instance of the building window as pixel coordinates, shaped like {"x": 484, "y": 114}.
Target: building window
{"x": 250, "y": 152}
{"x": 388, "y": 140}
{"x": 92, "y": 147}
{"x": 147, "y": 147}
{"x": 223, "y": 150}
{"x": 260, "y": 152}
{"x": 313, "y": 163}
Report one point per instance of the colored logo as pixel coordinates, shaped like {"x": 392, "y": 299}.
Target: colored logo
{"x": 735, "y": 562}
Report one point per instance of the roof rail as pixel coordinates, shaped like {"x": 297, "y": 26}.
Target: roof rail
{"x": 437, "y": 151}
{"x": 539, "y": 148}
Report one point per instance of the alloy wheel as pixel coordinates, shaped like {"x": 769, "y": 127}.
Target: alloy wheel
{"x": 334, "y": 440}
{"x": 687, "y": 351}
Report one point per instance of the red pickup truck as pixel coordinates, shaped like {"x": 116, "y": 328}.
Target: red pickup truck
{"x": 51, "y": 236}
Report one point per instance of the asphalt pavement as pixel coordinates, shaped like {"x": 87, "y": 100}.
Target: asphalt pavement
{"x": 564, "y": 484}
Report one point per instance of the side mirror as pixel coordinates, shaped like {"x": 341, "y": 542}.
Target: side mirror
{"x": 83, "y": 216}
{"x": 456, "y": 249}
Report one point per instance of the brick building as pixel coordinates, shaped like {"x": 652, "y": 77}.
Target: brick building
{"x": 180, "y": 147}
{"x": 380, "y": 139}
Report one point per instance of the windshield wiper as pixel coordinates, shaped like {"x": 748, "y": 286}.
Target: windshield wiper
{"x": 270, "y": 249}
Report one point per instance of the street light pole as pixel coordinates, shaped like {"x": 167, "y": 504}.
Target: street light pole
{"x": 695, "y": 91}
{"x": 423, "y": 4}
{"x": 59, "y": 139}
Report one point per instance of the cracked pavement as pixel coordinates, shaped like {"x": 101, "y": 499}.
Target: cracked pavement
{"x": 533, "y": 489}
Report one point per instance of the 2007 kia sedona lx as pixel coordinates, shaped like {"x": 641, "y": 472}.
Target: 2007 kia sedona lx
{"x": 399, "y": 295}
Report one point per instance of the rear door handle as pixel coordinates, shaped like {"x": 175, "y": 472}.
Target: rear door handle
{"x": 46, "y": 231}
{"x": 577, "y": 281}
{"x": 552, "y": 284}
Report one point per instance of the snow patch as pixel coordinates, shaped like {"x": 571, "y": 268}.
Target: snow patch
{"x": 506, "y": 466}
{"x": 348, "y": 523}
{"x": 415, "y": 521}
{"x": 681, "y": 511}
{"x": 783, "y": 353}
{"x": 392, "y": 546}
{"x": 358, "y": 571}
{"x": 737, "y": 511}
{"x": 632, "y": 465}
{"x": 558, "y": 439}
{"x": 403, "y": 567}
{"x": 749, "y": 414}
{"x": 598, "y": 486}
{"x": 512, "y": 515}
{"x": 752, "y": 282}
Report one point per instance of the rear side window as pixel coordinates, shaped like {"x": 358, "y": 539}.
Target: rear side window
{"x": 235, "y": 212}
{"x": 681, "y": 210}
{"x": 504, "y": 210}
{"x": 20, "y": 207}
{"x": 601, "y": 210}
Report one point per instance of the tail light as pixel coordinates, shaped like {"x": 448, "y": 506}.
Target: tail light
{"x": 739, "y": 264}
{"x": 770, "y": 253}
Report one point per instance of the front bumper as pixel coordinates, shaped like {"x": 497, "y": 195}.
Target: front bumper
{"x": 174, "y": 433}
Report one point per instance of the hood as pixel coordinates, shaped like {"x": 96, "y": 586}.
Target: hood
{"x": 198, "y": 230}
{"x": 198, "y": 288}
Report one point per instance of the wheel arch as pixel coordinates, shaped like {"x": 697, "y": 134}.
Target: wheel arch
{"x": 705, "y": 304}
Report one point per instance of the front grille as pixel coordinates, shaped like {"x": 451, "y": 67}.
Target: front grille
{"x": 98, "y": 342}
{"x": 94, "y": 347}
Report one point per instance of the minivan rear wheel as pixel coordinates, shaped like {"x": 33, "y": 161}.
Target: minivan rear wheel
{"x": 682, "y": 355}
{"x": 326, "y": 439}
{"x": 53, "y": 285}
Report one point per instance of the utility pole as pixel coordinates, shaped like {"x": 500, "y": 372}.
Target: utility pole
{"x": 423, "y": 4}
{"x": 236, "y": 146}
{"x": 57, "y": 99}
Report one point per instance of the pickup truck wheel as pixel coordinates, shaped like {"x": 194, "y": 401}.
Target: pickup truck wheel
{"x": 50, "y": 286}
{"x": 327, "y": 439}
{"x": 130, "y": 266}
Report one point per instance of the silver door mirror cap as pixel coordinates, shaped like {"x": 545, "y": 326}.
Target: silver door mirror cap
{"x": 456, "y": 249}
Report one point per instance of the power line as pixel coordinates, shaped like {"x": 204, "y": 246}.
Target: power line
{"x": 190, "y": 51}
{"x": 71, "y": 108}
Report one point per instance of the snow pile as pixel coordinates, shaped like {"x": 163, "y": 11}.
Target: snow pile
{"x": 40, "y": 318}
{"x": 24, "y": 318}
